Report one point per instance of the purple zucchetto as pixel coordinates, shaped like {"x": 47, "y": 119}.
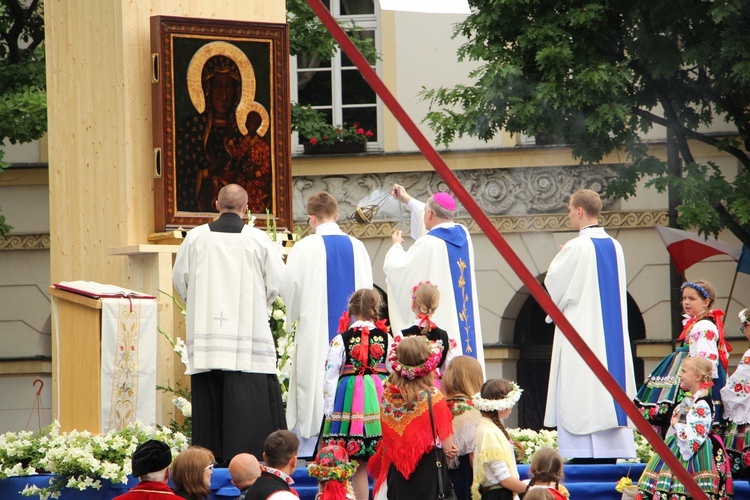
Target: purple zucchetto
{"x": 445, "y": 200}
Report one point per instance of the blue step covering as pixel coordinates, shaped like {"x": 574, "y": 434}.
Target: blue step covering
{"x": 585, "y": 482}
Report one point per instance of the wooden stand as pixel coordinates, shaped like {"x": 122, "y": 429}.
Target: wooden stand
{"x": 151, "y": 270}
{"x": 76, "y": 354}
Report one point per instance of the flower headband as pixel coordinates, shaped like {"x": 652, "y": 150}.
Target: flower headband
{"x": 696, "y": 287}
{"x": 418, "y": 371}
{"x": 414, "y": 288}
{"x": 744, "y": 316}
{"x": 332, "y": 464}
{"x": 490, "y": 405}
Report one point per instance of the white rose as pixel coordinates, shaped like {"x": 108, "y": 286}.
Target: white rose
{"x": 278, "y": 314}
{"x": 187, "y": 410}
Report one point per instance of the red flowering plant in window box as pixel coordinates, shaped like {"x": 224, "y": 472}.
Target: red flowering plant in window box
{"x": 315, "y": 131}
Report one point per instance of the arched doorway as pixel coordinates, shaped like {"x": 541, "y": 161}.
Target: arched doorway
{"x": 534, "y": 338}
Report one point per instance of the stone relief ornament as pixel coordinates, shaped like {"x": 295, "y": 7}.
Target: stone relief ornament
{"x": 499, "y": 192}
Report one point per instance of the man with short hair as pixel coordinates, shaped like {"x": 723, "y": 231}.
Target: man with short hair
{"x": 244, "y": 469}
{"x": 150, "y": 464}
{"x": 444, "y": 256}
{"x": 322, "y": 271}
{"x": 586, "y": 280}
{"x": 228, "y": 273}
{"x": 280, "y": 456}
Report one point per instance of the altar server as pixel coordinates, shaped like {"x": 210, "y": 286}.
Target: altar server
{"x": 586, "y": 280}
{"x": 445, "y": 257}
{"x": 323, "y": 270}
{"x": 228, "y": 273}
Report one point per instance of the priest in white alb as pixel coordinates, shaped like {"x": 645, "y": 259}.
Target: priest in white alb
{"x": 322, "y": 271}
{"x": 444, "y": 256}
{"x": 586, "y": 280}
{"x": 228, "y": 273}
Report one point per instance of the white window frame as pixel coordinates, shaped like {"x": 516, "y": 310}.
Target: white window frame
{"x": 366, "y": 22}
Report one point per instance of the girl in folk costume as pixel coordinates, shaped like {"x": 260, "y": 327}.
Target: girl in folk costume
{"x": 690, "y": 440}
{"x": 353, "y": 384}
{"x": 405, "y": 465}
{"x": 736, "y": 398}
{"x": 702, "y": 336}
{"x": 425, "y": 299}
{"x": 333, "y": 470}
{"x": 546, "y": 471}
{"x": 461, "y": 379}
{"x": 495, "y": 471}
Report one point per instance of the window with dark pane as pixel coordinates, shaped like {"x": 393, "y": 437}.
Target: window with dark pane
{"x": 336, "y": 87}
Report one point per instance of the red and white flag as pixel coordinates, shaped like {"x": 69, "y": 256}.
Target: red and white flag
{"x": 687, "y": 248}
{"x": 428, "y": 6}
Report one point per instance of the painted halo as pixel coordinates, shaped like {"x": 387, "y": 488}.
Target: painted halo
{"x": 247, "y": 74}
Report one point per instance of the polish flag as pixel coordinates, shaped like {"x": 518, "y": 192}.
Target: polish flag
{"x": 688, "y": 248}
{"x": 428, "y": 6}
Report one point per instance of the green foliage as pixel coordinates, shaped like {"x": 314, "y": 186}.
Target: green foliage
{"x": 598, "y": 75}
{"x": 313, "y": 126}
{"x": 23, "y": 94}
{"x": 310, "y": 39}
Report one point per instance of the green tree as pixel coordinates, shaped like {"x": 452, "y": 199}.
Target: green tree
{"x": 23, "y": 94}
{"x": 308, "y": 36}
{"x": 599, "y": 74}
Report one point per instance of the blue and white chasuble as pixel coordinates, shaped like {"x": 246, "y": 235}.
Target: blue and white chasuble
{"x": 586, "y": 280}
{"x": 322, "y": 271}
{"x": 445, "y": 257}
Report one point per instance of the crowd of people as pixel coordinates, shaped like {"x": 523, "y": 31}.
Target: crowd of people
{"x": 408, "y": 404}
{"x": 702, "y": 414}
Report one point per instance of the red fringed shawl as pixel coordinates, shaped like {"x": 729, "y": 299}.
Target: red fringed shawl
{"x": 407, "y": 434}
{"x": 716, "y": 315}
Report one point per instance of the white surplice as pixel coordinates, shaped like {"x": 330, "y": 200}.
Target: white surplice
{"x": 577, "y": 402}
{"x": 227, "y": 303}
{"x": 305, "y": 296}
{"x": 427, "y": 260}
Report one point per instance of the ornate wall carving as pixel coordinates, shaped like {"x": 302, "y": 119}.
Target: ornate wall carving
{"x": 24, "y": 242}
{"x": 516, "y": 200}
{"x": 515, "y": 191}
{"x": 515, "y": 224}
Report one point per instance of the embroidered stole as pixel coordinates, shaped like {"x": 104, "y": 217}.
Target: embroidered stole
{"x": 461, "y": 277}
{"x": 339, "y": 277}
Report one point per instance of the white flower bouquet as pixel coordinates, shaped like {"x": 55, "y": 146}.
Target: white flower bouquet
{"x": 284, "y": 340}
{"x": 79, "y": 460}
{"x": 532, "y": 441}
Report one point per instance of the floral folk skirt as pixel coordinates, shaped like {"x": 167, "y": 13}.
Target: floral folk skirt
{"x": 355, "y": 421}
{"x": 708, "y": 467}
{"x": 737, "y": 441}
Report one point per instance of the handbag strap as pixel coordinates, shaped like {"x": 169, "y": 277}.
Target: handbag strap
{"x": 438, "y": 462}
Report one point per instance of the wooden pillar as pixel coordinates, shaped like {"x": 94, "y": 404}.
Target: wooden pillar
{"x": 100, "y": 144}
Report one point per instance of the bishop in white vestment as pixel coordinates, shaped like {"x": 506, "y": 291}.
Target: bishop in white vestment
{"x": 322, "y": 272}
{"x": 444, "y": 256}
{"x": 228, "y": 273}
{"x": 586, "y": 280}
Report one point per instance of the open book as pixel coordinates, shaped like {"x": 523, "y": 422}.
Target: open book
{"x": 100, "y": 290}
